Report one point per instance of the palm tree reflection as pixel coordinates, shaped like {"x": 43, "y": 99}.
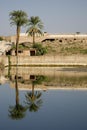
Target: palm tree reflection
{"x": 17, "y": 111}
{"x": 33, "y": 99}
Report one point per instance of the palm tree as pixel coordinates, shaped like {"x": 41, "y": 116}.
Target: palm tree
{"x": 33, "y": 99}
{"x": 18, "y": 18}
{"x": 35, "y": 26}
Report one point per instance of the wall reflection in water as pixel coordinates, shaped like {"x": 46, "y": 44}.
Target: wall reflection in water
{"x": 47, "y": 77}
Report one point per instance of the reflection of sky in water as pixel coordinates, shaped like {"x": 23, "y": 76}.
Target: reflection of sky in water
{"x": 61, "y": 110}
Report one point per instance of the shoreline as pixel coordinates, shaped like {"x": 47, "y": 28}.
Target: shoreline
{"x": 53, "y": 89}
{"x": 45, "y": 61}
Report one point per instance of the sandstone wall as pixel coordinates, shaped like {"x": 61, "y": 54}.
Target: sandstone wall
{"x": 46, "y": 60}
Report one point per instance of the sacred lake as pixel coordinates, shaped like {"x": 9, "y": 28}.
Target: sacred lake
{"x": 43, "y": 98}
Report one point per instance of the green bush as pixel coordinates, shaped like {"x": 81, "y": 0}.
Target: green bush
{"x": 40, "y": 50}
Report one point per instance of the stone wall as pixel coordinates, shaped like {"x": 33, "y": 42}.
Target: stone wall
{"x": 4, "y": 59}
{"x": 46, "y": 60}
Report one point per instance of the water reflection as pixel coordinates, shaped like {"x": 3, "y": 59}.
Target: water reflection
{"x": 28, "y": 80}
{"x": 48, "y": 78}
{"x": 33, "y": 100}
{"x": 18, "y": 110}
{"x": 39, "y": 100}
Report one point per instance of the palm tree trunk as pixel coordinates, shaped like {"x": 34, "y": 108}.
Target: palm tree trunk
{"x": 16, "y": 87}
{"x": 17, "y": 93}
{"x": 33, "y": 38}
{"x": 32, "y": 90}
{"x": 17, "y": 39}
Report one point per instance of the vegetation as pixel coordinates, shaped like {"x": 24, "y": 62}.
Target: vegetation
{"x": 18, "y": 18}
{"x": 60, "y": 46}
{"x": 33, "y": 101}
{"x": 35, "y": 26}
{"x": 21, "y": 46}
{"x": 55, "y": 47}
{"x": 40, "y": 50}
{"x": 17, "y": 112}
{"x": 67, "y": 81}
{"x": 39, "y": 79}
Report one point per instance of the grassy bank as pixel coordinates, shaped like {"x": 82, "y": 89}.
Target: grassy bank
{"x": 66, "y": 48}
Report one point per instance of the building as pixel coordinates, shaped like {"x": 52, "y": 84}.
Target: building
{"x": 22, "y": 52}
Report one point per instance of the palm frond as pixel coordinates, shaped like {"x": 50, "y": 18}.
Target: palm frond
{"x": 18, "y": 18}
{"x": 35, "y": 26}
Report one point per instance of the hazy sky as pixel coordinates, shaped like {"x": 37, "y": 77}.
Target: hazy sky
{"x": 58, "y": 16}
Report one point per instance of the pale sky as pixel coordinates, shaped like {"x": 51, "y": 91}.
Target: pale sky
{"x": 58, "y": 16}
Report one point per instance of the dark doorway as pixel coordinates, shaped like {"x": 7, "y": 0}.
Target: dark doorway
{"x": 32, "y": 77}
{"x": 32, "y": 52}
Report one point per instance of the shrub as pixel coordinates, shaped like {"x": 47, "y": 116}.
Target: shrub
{"x": 40, "y": 50}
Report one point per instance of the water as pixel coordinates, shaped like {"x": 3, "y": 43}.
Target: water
{"x": 45, "y": 99}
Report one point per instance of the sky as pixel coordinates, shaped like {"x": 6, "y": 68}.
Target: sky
{"x": 58, "y": 16}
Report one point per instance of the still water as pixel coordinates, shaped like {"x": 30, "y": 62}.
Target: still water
{"x": 43, "y": 99}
